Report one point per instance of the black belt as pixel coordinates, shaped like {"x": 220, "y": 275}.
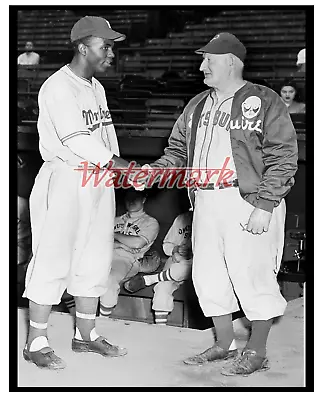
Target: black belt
{"x": 213, "y": 186}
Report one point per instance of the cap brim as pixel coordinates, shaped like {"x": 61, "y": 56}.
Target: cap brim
{"x": 201, "y": 50}
{"x": 113, "y": 35}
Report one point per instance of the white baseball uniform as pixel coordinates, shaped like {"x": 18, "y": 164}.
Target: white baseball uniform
{"x": 72, "y": 222}
{"x": 227, "y": 259}
{"x": 178, "y": 234}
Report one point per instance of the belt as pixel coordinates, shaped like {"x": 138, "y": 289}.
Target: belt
{"x": 213, "y": 186}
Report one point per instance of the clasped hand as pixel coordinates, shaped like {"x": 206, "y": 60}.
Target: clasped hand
{"x": 258, "y": 222}
{"x": 140, "y": 177}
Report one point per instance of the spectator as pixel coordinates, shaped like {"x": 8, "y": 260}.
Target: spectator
{"x": 134, "y": 233}
{"x": 29, "y": 57}
{"x": 288, "y": 92}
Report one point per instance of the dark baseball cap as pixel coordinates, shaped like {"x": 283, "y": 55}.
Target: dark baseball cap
{"x": 132, "y": 194}
{"x": 94, "y": 26}
{"x": 224, "y": 43}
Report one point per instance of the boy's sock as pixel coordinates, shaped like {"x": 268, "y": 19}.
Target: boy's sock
{"x": 160, "y": 277}
{"x": 161, "y": 317}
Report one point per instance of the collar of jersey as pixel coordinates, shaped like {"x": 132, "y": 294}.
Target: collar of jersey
{"x": 138, "y": 214}
{"x": 84, "y": 81}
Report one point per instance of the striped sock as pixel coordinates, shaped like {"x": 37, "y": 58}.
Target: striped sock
{"x": 161, "y": 317}
{"x": 71, "y": 304}
{"x": 106, "y": 311}
{"x": 161, "y": 277}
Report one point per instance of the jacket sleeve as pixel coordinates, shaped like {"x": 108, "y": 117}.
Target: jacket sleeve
{"x": 280, "y": 155}
{"x": 175, "y": 154}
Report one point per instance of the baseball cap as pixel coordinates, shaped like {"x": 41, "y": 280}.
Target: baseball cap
{"x": 301, "y": 59}
{"x": 132, "y": 194}
{"x": 94, "y": 26}
{"x": 224, "y": 43}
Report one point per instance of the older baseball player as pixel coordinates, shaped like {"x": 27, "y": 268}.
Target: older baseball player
{"x": 134, "y": 233}
{"x": 72, "y": 222}
{"x": 240, "y": 138}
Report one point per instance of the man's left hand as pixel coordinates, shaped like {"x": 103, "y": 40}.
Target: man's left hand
{"x": 259, "y": 221}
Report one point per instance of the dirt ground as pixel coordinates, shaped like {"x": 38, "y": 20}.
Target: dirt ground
{"x": 155, "y": 355}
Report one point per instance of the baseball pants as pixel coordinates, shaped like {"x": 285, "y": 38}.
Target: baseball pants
{"x": 231, "y": 263}
{"x": 163, "y": 291}
{"x": 72, "y": 235}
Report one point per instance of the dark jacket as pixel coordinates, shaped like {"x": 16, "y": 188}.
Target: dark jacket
{"x": 264, "y": 147}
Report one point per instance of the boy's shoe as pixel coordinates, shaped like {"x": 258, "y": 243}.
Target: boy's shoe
{"x": 99, "y": 346}
{"x": 135, "y": 284}
{"x": 44, "y": 358}
{"x": 214, "y": 353}
{"x": 247, "y": 363}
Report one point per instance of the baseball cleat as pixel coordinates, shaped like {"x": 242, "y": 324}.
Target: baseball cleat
{"x": 99, "y": 346}
{"x": 44, "y": 358}
{"x": 214, "y": 353}
{"x": 135, "y": 284}
{"x": 247, "y": 363}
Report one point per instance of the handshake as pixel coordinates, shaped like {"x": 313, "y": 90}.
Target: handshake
{"x": 139, "y": 178}
{"x": 132, "y": 172}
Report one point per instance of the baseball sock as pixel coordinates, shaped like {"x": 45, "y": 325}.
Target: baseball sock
{"x": 259, "y": 335}
{"x": 37, "y": 336}
{"x": 105, "y": 311}
{"x": 161, "y": 317}
{"x": 86, "y": 308}
{"x": 224, "y": 330}
{"x": 71, "y": 305}
{"x": 160, "y": 277}
{"x": 40, "y": 341}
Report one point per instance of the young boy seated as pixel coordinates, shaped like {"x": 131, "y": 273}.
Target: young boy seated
{"x": 134, "y": 233}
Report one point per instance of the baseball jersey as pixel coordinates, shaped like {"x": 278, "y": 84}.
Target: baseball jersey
{"x": 31, "y": 58}
{"x": 179, "y": 233}
{"x": 213, "y": 151}
{"x": 74, "y": 120}
{"x": 140, "y": 225}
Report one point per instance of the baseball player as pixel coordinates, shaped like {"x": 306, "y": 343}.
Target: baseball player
{"x": 134, "y": 233}
{"x": 72, "y": 222}
{"x": 239, "y": 138}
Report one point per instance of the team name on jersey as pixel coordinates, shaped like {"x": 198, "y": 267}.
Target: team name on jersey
{"x": 186, "y": 231}
{"x": 131, "y": 229}
{"x": 94, "y": 118}
{"x": 222, "y": 119}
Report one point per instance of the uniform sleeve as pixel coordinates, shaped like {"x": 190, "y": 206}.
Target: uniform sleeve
{"x": 280, "y": 156}
{"x": 175, "y": 155}
{"x": 149, "y": 230}
{"x": 64, "y": 111}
